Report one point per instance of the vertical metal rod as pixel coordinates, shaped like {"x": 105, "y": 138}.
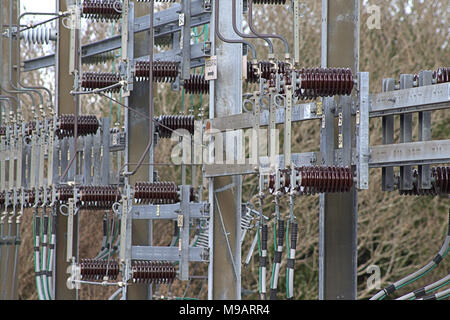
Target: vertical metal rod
{"x": 338, "y": 212}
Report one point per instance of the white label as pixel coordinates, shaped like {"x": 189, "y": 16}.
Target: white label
{"x": 181, "y": 20}
{"x": 211, "y": 68}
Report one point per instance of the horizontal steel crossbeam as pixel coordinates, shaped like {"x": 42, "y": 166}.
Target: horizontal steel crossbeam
{"x": 196, "y": 254}
{"x": 168, "y": 211}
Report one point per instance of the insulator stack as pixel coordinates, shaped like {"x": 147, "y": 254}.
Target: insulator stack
{"x": 91, "y": 197}
{"x": 324, "y": 82}
{"x": 94, "y": 80}
{"x": 98, "y": 197}
{"x": 102, "y": 10}
{"x": 99, "y": 58}
{"x": 29, "y": 197}
{"x": 440, "y": 183}
{"x": 286, "y": 182}
{"x": 164, "y": 41}
{"x": 163, "y": 71}
{"x": 203, "y": 237}
{"x": 153, "y": 272}
{"x": 2, "y": 198}
{"x": 95, "y": 269}
{"x": 442, "y": 178}
{"x": 252, "y": 76}
{"x": 324, "y": 179}
{"x": 168, "y": 124}
{"x": 39, "y": 35}
{"x": 266, "y": 69}
{"x": 2, "y": 131}
{"x": 87, "y": 125}
{"x": 29, "y": 127}
{"x": 64, "y": 193}
{"x": 269, "y": 1}
{"x": 156, "y": 1}
{"x": 442, "y": 75}
{"x": 156, "y": 193}
{"x": 196, "y": 84}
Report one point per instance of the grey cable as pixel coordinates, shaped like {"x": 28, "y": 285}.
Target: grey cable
{"x": 243, "y": 35}
{"x": 20, "y": 57}
{"x": 221, "y": 37}
{"x": 425, "y": 290}
{"x": 414, "y": 276}
{"x": 252, "y": 28}
{"x": 437, "y": 296}
{"x": 18, "y": 89}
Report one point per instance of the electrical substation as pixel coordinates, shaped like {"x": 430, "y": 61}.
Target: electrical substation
{"x": 58, "y": 163}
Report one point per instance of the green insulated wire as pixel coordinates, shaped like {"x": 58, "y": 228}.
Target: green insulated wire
{"x": 259, "y": 249}
{"x": 35, "y": 244}
{"x": 195, "y": 41}
{"x": 49, "y": 239}
{"x": 205, "y": 31}
{"x": 444, "y": 297}
{"x": 110, "y": 101}
{"x": 288, "y": 256}
{"x": 42, "y": 257}
{"x": 275, "y": 247}
{"x": 416, "y": 278}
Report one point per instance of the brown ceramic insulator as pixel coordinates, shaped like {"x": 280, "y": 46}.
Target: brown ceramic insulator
{"x": 168, "y": 123}
{"x": 99, "y": 80}
{"x": 440, "y": 183}
{"x": 269, "y": 2}
{"x": 2, "y": 198}
{"x": 95, "y": 269}
{"x": 196, "y": 84}
{"x": 64, "y": 193}
{"x": 29, "y": 127}
{"x": 156, "y": 193}
{"x": 29, "y": 198}
{"x": 442, "y": 75}
{"x": 2, "y": 131}
{"x": 252, "y": 75}
{"x": 87, "y": 125}
{"x": 324, "y": 82}
{"x": 163, "y": 71}
{"x": 103, "y": 10}
{"x": 149, "y": 272}
{"x": 442, "y": 179}
{"x": 324, "y": 180}
{"x": 98, "y": 197}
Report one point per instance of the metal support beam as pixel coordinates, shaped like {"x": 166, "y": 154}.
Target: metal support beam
{"x": 64, "y": 105}
{"x": 226, "y": 99}
{"x": 7, "y": 227}
{"x": 137, "y": 129}
{"x": 338, "y": 212}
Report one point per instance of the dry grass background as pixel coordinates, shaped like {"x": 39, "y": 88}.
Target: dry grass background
{"x": 399, "y": 234}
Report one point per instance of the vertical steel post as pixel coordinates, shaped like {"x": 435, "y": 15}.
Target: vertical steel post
{"x": 137, "y": 129}
{"x": 425, "y": 79}
{"x": 406, "y": 178}
{"x": 226, "y": 99}
{"x": 64, "y": 105}
{"x": 6, "y": 263}
{"x": 387, "y": 174}
{"x": 338, "y": 212}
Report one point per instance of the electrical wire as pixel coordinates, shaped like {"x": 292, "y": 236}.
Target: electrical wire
{"x": 419, "y": 293}
{"x": 438, "y": 296}
{"x": 221, "y": 37}
{"x": 274, "y": 36}
{"x": 36, "y": 232}
{"x": 418, "y": 274}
